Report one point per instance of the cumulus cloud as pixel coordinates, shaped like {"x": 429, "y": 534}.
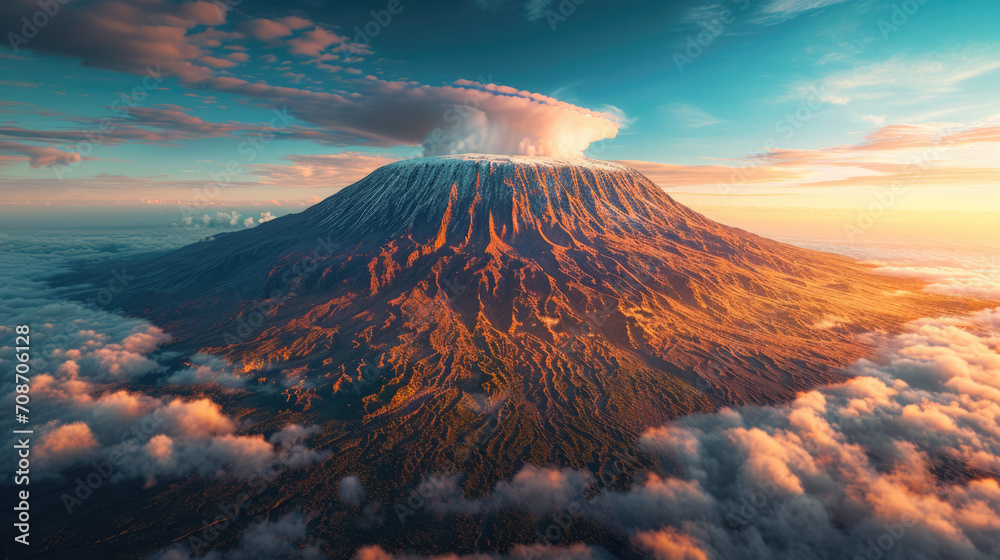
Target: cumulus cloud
{"x": 980, "y": 282}
{"x": 350, "y": 489}
{"x": 845, "y": 466}
{"x": 314, "y": 42}
{"x": 900, "y": 461}
{"x": 489, "y": 118}
{"x": 541, "y": 490}
{"x": 149, "y": 438}
{"x": 67, "y": 444}
{"x": 180, "y": 40}
{"x": 668, "y": 544}
{"x": 284, "y": 539}
{"x": 206, "y": 368}
{"x": 83, "y": 406}
{"x": 291, "y": 450}
{"x": 218, "y": 220}
{"x": 265, "y": 29}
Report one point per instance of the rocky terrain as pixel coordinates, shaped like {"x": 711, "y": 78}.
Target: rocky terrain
{"x": 479, "y": 313}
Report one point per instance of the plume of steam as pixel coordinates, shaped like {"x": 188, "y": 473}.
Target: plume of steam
{"x": 493, "y": 119}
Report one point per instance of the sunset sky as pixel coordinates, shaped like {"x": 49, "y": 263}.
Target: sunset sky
{"x": 827, "y": 105}
{"x": 556, "y": 360}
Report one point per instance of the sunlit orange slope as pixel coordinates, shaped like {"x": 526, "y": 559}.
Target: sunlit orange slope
{"x": 494, "y": 310}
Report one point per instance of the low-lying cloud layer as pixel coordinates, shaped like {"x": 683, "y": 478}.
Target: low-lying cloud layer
{"x": 85, "y": 407}
{"x": 285, "y": 538}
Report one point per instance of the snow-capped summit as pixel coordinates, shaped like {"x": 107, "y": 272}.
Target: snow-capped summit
{"x": 516, "y": 192}
{"x": 515, "y": 160}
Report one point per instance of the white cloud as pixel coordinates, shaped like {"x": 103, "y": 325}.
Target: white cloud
{"x": 877, "y": 120}
{"x": 86, "y": 356}
{"x": 350, "y": 489}
{"x": 904, "y": 79}
{"x": 535, "y": 9}
{"x": 285, "y": 538}
{"x": 219, "y": 220}
{"x": 691, "y": 116}
{"x": 205, "y": 368}
{"x": 777, "y": 11}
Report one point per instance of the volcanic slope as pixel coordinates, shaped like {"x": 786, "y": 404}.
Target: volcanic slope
{"x": 488, "y": 311}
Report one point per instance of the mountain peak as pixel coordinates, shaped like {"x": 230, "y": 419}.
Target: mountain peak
{"x": 503, "y": 196}
{"x": 574, "y": 294}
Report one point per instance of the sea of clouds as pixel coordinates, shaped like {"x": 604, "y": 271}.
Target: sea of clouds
{"x": 896, "y": 463}
{"x": 856, "y": 470}
{"x": 86, "y": 356}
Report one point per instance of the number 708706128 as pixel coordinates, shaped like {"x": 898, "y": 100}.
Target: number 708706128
{"x": 22, "y": 350}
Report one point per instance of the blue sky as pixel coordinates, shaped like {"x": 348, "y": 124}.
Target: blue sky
{"x": 694, "y": 85}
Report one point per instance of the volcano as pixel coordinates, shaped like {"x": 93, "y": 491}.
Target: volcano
{"x": 481, "y": 313}
{"x": 490, "y": 311}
